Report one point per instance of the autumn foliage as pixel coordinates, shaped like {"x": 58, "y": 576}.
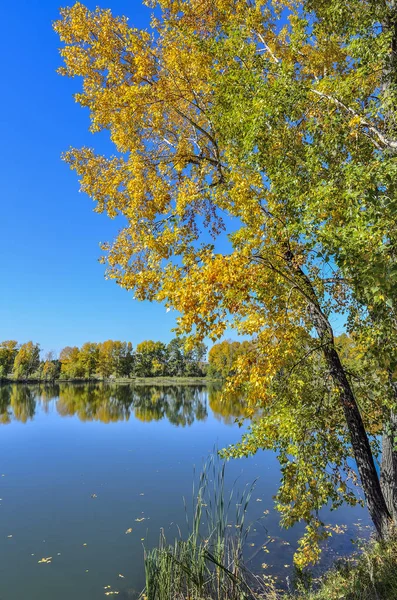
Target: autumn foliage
{"x": 254, "y": 170}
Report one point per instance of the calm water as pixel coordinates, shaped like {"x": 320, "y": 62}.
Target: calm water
{"x": 82, "y": 465}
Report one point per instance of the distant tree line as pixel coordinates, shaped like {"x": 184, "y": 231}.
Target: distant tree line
{"x": 110, "y": 359}
{"x": 115, "y": 359}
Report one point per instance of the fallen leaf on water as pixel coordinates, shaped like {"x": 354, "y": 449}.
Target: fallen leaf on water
{"x": 45, "y": 560}
{"x": 142, "y": 539}
{"x": 129, "y": 530}
{"x": 139, "y": 520}
{"x": 266, "y": 512}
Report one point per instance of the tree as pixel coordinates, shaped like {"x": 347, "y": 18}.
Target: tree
{"x": 106, "y": 359}
{"x": 121, "y": 358}
{"x": 175, "y": 358}
{"x": 27, "y": 360}
{"x": 222, "y": 357}
{"x": 127, "y": 362}
{"x": 183, "y": 359}
{"x": 150, "y": 359}
{"x": 8, "y": 352}
{"x": 70, "y": 362}
{"x": 114, "y": 358}
{"x": 274, "y": 121}
{"x": 51, "y": 367}
{"x": 194, "y": 358}
{"x": 88, "y": 358}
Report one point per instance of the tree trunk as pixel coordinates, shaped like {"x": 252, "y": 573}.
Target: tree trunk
{"x": 377, "y": 504}
{"x": 375, "y": 499}
{"x": 388, "y": 477}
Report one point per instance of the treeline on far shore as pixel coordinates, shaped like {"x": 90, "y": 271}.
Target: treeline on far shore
{"x": 118, "y": 360}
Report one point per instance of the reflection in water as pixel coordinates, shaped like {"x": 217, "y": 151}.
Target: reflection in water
{"x": 180, "y": 405}
{"x": 17, "y": 402}
{"x": 227, "y": 409}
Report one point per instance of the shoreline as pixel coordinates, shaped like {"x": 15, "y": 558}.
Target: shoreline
{"x": 124, "y": 380}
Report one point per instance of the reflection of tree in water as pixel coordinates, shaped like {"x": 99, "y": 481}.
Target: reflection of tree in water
{"x": 17, "y": 402}
{"x": 109, "y": 403}
{"x": 105, "y": 403}
{"x": 90, "y": 402}
{"x": 226, "y": 408}
{"x": 5, "y": 413}
{"x": 180, "y": 405}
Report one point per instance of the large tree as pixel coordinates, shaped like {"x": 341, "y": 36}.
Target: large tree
{"x": 255, "y": 174}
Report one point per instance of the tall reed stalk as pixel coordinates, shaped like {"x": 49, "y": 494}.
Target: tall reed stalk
{"x": 209, "y": 563}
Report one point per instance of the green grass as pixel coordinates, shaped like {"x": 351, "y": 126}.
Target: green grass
{"x": 370, "y": 575}
{"x": 120, "y": 380}
{"x": 167, "y": 380}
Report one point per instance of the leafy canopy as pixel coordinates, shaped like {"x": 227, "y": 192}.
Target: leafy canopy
{"x": 269, "y": 122}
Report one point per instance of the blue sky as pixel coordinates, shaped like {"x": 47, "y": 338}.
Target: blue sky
{"x": 52, "y": 289}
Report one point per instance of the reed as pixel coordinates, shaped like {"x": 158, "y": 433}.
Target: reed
{"x": 209, "y": 563}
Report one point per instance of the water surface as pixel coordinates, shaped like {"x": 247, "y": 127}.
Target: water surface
{"x": 82, "y": 465}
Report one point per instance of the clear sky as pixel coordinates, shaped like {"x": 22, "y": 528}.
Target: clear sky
{"x": 52, "y": 289}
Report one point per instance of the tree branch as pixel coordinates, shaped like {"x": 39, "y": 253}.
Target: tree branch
{"x": 387, "y": 142}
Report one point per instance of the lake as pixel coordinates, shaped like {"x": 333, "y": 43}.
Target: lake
{"x": 89, "y": 474}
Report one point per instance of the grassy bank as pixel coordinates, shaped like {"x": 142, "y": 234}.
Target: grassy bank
{"x": 371, "y": 575}
{"x": 125, "y": 380}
